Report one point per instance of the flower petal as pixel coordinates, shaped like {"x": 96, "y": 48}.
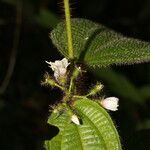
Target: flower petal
{"x": 65, "y": 62}
{"x": 110, "y": 103}
{"x": 59, "y": 67}
{"x": 75, "y": 119}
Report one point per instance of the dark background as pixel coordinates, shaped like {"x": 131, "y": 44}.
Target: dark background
{"x": 24, "y": 47}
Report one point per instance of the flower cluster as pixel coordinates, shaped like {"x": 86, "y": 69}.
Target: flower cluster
{"x": 60, "y": 72}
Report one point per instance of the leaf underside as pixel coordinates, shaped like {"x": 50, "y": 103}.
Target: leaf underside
{"x": 96, "y": 131}
{"x": 97, "y": 45}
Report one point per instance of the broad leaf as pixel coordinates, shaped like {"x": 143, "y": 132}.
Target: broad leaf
{"x": 96, "y": 132}
{"x": 98, "y": 46}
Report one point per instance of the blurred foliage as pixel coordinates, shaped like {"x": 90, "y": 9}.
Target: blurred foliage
{"x": 120, "y": 85}
{"x": 24, "y": 105}
{"x": 145, "y": 92}
{"x": 12, "y": 2}
{"x": 46, "y": 18}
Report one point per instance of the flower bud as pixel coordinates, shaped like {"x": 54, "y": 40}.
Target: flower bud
{"x": 75, "y": 119}
{"x": 76, "y": 72}
{"x": 110, "y": 103}
{"x": 48, "y": 80}
{"x": 97, "y": 88}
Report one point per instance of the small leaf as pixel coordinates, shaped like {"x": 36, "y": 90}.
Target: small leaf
{"x": 98, "y": 46}
{"x": 96, "y": 131}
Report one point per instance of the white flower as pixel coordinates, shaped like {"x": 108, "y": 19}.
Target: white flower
{"x": 59, "y": 67}
{"x": 75, "y": 119}
{"x": 110, "y": 103}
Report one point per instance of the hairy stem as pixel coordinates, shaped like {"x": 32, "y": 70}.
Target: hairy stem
{"x": 62, "y": 88}
{"x": 71, "y": 85}
{"x": 68, "y": 28}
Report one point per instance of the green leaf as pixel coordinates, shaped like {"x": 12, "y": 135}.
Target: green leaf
{"x": 98, "y": 46}
{"x": 96, "y": 132}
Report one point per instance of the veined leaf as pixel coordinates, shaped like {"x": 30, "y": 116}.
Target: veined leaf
{"x": 98, "y": 46}
{"x": 96, "y": 132}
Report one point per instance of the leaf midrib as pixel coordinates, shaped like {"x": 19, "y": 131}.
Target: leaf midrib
{"x": 92, "y": 124}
